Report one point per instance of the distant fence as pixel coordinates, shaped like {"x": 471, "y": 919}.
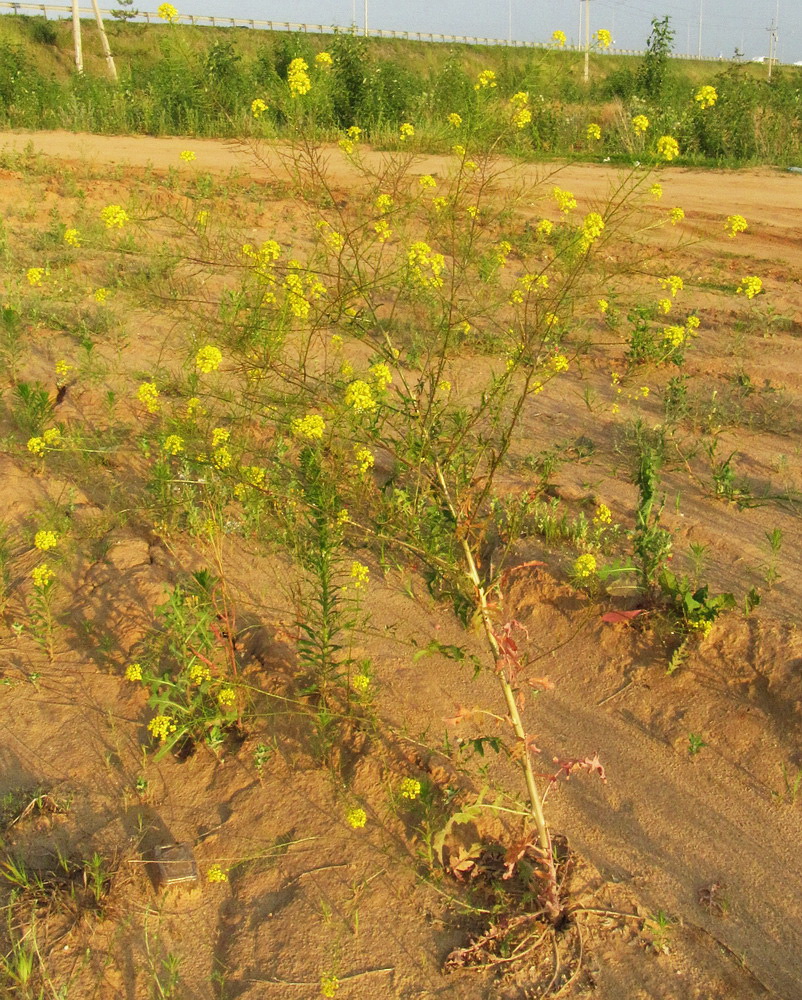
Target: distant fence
{"x": 62, "y": 10}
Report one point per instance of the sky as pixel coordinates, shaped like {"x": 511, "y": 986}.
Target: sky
{"x": 726, "y": 24}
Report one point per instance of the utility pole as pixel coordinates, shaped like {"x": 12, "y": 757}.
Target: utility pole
{"x": 509, "y": 22}
{"x": 772, "y": 30}
{"x": 105, "y": 42}
{"x": 366, "y": 18}
{"x": 699, "y": 47}
{"x": 76, "y": 37}
{"x": 587, "y": 40}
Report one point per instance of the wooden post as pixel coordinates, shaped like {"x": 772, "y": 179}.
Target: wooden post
{"x": 104, "y": 41}
{"x": 76, "y": 37}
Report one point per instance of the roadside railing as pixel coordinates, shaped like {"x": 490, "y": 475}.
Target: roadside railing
{"x": 149, "y": 17}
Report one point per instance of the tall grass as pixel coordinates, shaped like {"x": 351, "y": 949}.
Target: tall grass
{"x": 182, "y": 80}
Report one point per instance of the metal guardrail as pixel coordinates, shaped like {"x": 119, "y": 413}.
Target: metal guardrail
{"x": 149, "y": 17}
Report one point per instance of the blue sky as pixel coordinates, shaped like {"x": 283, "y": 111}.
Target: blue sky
{"x": 726, "y": 24}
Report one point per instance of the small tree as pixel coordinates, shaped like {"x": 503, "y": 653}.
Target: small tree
{"x": 125, "y": 12}
{"x": 654, "y": 68}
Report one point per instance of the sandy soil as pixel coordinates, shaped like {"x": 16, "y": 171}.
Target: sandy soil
{"x": 312, "y": 894}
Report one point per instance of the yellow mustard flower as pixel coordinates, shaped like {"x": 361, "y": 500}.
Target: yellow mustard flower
{"x": 258, "y": 107}
{"x": 750, "y": 287}
{"x": 706, "y": 96}
{"x": 187, "y": 155}
{"x": 324, "y": 60}
{"x": 486, "y": 80}
{"x": 735, "y": 224}
{"x": 406, "y": 131}
{"x": 311, "y": 427}
{"x": 133, "y": 672}
{"x": 593, "y": 132}
{"x": 167, "y": 12}
{"x": 208, "y": 359}
{"x": 640, "y": 124}
{"x": 298, "y": 78}
{"x": 566, "y": 202}
{"x": 676, "y": 215}
{"x": 46, "y": 540}
{"x": 360, "y": 575}
{"x": 410, "y": 788}
{"x": 216, "y": 874}
{"x": 148, "y": 395}
{"x": 356, "y": 818}
{"x": 603, "y": 38}
{"x": 114, "y": 216}
{"x": 668, "y": 147}
{"x": 558, "y": 38}
{"x": 72, "y": 237}
{"x": 42, "y": 576}
{"x": 455, "y": 120}
{"x": 584, "y": 566}
{"x": 34, "y": 276}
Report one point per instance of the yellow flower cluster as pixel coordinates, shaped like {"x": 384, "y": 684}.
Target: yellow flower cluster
{"x": 706, "y": 96}
{"x": 35, "y": 275}
{"x": 72, "y": 237}
{"x": 668, "y": 147}
{"x": 603, "y": 38}
{"x": 46, "y": 540}
{"x": 427, "y": 181}
{"x": 410, "y": 788}
{"x": 187, "y": 155}
{"x": 603, "y": 515}
{"x": 311, "y": 427}
{"x": 216, "y": 874}
{"x": 558, "y": 38}
{"x": 360, "y": 575}
{"x": 199, "y": 672}
{"x": 114, "y": 216}
{"x": 51, "y": 438}
{"x": 364, "y": 460}
{"x": 664, "y": 305}
{"x": 133, "y": 672}
{"x": 674, "y": 336}
{"x": 160, "y": 727}
{"x": 63, "y": 369}
{"x": 584, "y": 566}
{"x": 167, "y": 12}
{"x": 100, "y": 295}
{"x": 42, "y": 576}
{"x": 382, "y": 230}
{"x": 604, "y": 306}
{"x": 208, "y": 359}
{"x": 566, "y": 202}
{"x": 148, "y": 396}
{"x": 359, "y": 396}
{"x": 639, "y": 124}
{"x": 455, "y": 120}
{"x": 226, "y": 697}
{"x": 545, "y": 227}
{"x": 676, "y": 215}
{"x": 361, "y": 683}
{"x": 382, "y": 374}
{"x": 558, "y": 363}
{"x": 672, "y": 283}
{"x": 258, "y": 107}
{"x": 173, "y": 444}
{"x": 486, "y": 80}
{"x": 383, "y": 204}
{"x": 221, "y": 459}
{"x": 750, "y": 287}
{"x": 439, "y": 204}
{"x": 324, "y": 60}
{"x": 356, "y": 818}
{"x": 406, "y": 131}
{"x": 592, "y": 228}
{"x": 298, "y": 78}
{"x": 352, "y": 136}
{"x": 593, "y": 132}
{"x": 329, "y": 985}
{"x": 735, "y": 224}
{"x": 656, "y": 191}
{"x": 425, "y": 267}
{"x": 333, "y": 240}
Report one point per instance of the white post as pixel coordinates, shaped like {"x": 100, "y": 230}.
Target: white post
{"x": 76, "y": 37}
{"x": 699, "y": 46}
{"x": 587, "y": 40}
{"x": 366, "y": 18}
{"x": 104, "y": 41}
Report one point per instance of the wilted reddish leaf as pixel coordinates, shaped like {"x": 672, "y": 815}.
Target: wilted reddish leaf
{"x": 621, "y": 616}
